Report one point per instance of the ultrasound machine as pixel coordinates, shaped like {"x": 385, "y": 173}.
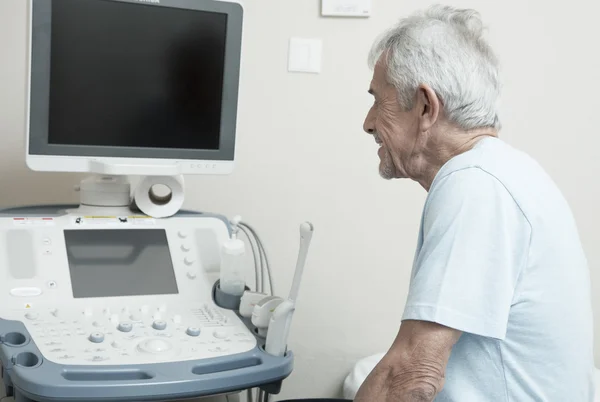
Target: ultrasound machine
{"x": 101, "y": 301}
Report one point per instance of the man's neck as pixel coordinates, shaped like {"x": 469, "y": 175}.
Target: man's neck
{"x": 441, "y": 147}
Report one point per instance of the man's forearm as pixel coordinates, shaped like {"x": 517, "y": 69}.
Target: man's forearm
{"x": 387, "y": 384}
{"x": 414, "y": 368}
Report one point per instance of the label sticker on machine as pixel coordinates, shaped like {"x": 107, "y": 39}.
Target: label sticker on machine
{"x": 114, "y": 220}
{"x": 33, "y": 221}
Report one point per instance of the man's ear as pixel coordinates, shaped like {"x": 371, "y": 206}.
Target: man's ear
{"x": 429, "y": 107}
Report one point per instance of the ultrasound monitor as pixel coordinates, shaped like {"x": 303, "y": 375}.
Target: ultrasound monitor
{"x": 133, "y": 86}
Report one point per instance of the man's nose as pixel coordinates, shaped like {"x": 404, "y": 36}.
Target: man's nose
{"x": 369, "y": 123}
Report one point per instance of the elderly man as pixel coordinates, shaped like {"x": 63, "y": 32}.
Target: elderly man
{"x": 499, "y": 301}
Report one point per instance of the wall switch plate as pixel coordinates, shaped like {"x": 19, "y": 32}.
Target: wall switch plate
{"x": 305, "y": 55}
{"x": 346, "y": 8}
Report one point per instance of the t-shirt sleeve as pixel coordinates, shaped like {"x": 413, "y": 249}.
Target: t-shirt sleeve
{"x": 474, "y": 245}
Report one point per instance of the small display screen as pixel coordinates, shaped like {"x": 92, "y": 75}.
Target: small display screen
{"x": 120, "y": 262}
{"x": 135, "y": 75}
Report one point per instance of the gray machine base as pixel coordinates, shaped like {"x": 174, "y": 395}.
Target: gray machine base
{"x": 28, "y": 377}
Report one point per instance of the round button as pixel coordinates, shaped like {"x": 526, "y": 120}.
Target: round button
{"x": 47, "y": 241}
{"x": 96, "y": 337}
{"x": 136, "y": 317}
{"x": 191, "y": 275}
{"x": 97, "y": 324}
{"x": 32, "y": 316}
{"x": 193, "y": 331}
{"x": 182, "y": 234}
{"x": 159, "y": 325}
{"x": 185, "y": 247}
{"x": 154, "y": 346}
{"x": 125, "y": 327}
{"x": 220, "y": 334}
{"x": 188, "y": 261}
{"x": 116, "y": 345}
{"x": 52, "y": 284}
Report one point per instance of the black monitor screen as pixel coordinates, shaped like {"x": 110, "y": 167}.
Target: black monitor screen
{"x": 135, "y": 75}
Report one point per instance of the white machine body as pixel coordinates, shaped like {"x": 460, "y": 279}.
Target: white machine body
{"x": 118, "y": 290}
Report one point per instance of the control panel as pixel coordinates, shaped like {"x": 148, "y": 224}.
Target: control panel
{"x": 112, "y": 290}
{"x": 137, "y": 334}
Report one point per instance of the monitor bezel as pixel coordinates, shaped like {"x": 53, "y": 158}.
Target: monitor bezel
{"x": 43, "y": 156}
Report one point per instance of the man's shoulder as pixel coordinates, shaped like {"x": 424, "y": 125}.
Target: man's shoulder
{"x": 467, "y": 181}
{"x": 492, "y": 162}
{"x": 471, "y": 192}
{"x": 489, "y": 154}
{"x": 492, "y": 177}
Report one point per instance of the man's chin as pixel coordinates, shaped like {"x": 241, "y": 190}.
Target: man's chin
{"x": 387, "y": 174}
{"x": 387, "y": 170}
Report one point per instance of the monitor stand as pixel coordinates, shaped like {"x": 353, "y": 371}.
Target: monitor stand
{"x": 104, "y": 195}
{"x": 150, "y": 169}
{"x": 108, "y": 191}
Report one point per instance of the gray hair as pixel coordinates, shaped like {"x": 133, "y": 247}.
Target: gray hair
{"x": 443, "y": 47}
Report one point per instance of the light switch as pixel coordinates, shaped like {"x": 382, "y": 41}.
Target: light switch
{"x": 346, "y": 8}
{"x": 305, "y": 55}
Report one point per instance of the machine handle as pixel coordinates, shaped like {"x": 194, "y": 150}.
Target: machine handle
{"x": 49, "y": 381}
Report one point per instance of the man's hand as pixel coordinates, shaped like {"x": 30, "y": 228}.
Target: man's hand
{"x": 414, "y": 368}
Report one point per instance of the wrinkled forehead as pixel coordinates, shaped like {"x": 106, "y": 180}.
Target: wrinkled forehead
{"x": 379, "y": 82}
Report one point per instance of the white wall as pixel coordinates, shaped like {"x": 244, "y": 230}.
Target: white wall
{"x": 302, "y": 155}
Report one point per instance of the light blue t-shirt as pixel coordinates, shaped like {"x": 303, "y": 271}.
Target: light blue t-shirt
{"x": 499, "y": 258}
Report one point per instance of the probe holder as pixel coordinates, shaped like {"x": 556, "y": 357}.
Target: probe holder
{"x": 225, "y": 300}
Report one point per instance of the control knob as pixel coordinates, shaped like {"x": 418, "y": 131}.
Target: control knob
{"x": 125, "y": 327}
{"x": 96, "y": 337}
{"x": 159, "y": 325}
{"x": 193, "y": 331}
